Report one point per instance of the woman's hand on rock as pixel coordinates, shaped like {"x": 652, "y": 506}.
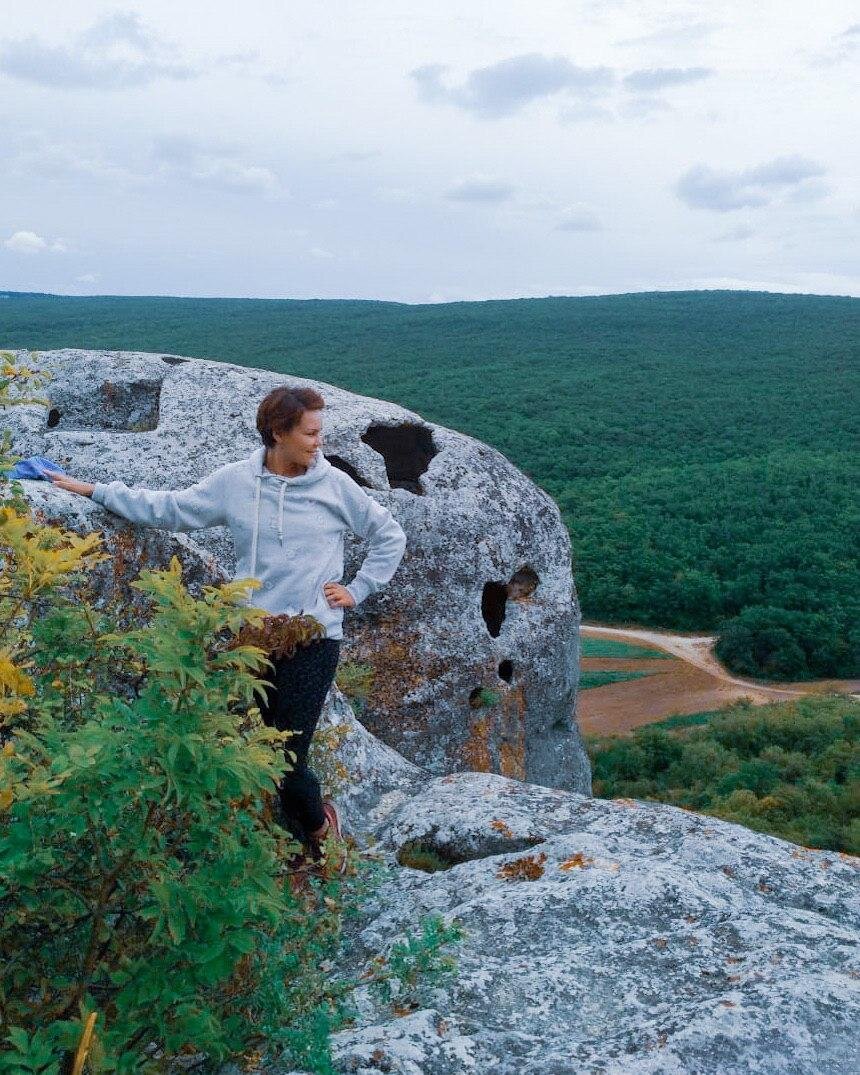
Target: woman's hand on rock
{"x": 72, "y": 485}
{"x": 338, "y": 596}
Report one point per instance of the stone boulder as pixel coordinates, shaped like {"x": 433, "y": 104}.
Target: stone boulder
{"x": 474, "y": 644}
{"x": 614, "y": 937}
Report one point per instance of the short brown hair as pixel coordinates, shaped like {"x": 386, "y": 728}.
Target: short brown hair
{"x": 283, "y": 408}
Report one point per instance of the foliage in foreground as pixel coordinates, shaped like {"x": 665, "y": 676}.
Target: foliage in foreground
{"x": 791, "y": 769}
{"x": 143, "y": 895}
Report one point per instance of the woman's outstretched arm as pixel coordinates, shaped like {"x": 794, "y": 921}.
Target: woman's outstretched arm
{"x": 199, "y": 506}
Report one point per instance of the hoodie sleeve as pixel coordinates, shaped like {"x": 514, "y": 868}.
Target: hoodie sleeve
{"x": 201, "y": 505}
{"x": 370, "y": 519}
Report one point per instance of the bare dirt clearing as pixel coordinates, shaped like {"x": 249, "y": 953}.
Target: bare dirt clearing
{"x": 693, "y": 682}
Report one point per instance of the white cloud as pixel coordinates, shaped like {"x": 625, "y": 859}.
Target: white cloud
{"x": 505, "y": 87}
{"x": 321, "y": 252}
{"x": 25, "y": 242}
{"x": 28, "y": 242}
{"x": 703, "y": 187}
{"x": 117, "y": 52}
{"x": 87, "y": 278}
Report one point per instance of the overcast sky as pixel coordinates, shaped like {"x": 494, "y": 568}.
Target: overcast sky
{"x": 428, "y": 152}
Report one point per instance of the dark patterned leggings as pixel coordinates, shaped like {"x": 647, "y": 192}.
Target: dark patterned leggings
{"x": 294, "y": 699}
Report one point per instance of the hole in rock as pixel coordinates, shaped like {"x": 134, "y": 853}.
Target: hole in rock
{"x": 407, "y": 450}
{"x": 420, "y": 856}
{"x": 494, "y": 598}
{"x": 493, "y": 601}
{"x": 347, "y": 468}
{"x": 522, "y": 583}
{"x": 117, "y": 406}
{"x": 506, "y": 670}
{"x": 429, "y": 853}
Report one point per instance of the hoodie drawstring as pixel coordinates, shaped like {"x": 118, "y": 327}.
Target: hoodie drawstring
{"x": 259, "y": 481}
{"x": 281, "y": 512}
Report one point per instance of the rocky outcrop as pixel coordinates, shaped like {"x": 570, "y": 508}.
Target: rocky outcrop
{"x": 602, "y": 937}
{"x": 613, "y": 937}
{"x": 474, "y": 644}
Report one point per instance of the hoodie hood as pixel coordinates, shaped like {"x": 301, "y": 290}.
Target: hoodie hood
{"x": 317, "y": 471}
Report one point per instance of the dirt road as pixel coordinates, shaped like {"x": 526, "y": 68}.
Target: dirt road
{"x": 694, "y": 682}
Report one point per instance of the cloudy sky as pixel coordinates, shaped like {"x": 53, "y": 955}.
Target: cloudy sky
{"x": 428, "y": 152}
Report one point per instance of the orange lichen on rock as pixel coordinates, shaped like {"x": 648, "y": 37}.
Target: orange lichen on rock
{"x": 512, "y": 750}
{"x": 476, "y": 749}
{"x": 512, "y": 761}
{"x": 527, "y": 868}
{"x": 577, "y": 861}
{"x": 502, "y": 827}
{"x": 124, "y": 554}
{"x": 392, "y": 648}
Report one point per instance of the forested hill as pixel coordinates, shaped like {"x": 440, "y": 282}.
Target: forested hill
{"x": 701, "y": 445}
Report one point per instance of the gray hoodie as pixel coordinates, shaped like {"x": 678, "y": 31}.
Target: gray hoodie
{"x": 287, "y": 532}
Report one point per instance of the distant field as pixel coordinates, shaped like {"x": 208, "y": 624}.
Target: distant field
{"x": 609, "y": 647}
{"x": 588, "y": 679}
{"x": 701, "y": 445}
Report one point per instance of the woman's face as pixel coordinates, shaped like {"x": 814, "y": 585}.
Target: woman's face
{"x": 303, "y": 440}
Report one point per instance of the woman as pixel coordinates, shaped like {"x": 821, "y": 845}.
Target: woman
{"x": 287, "y": 508}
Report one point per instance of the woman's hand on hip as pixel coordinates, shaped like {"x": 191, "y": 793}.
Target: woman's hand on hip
{"x": 71, "y": 485}
{"x": 338, "y": 596}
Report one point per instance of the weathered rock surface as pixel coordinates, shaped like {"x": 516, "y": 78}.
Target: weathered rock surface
{"x": 474, "y": 644}
{"x": 614, "y": 937}
{"x": 371, "y": 780}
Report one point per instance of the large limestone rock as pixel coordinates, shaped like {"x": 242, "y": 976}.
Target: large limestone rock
{"x": 474, "y": 644}
{"x": 613, "y": 937}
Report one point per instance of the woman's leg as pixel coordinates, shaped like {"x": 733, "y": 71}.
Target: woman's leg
{"x": 294, "y": 701}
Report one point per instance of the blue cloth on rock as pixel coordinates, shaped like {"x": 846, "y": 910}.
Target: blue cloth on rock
{"x": 35, "y": 467}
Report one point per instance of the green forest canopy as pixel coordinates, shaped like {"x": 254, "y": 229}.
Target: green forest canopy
{"x": 701, "y": 445}
{"x": 791, "y": 769}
